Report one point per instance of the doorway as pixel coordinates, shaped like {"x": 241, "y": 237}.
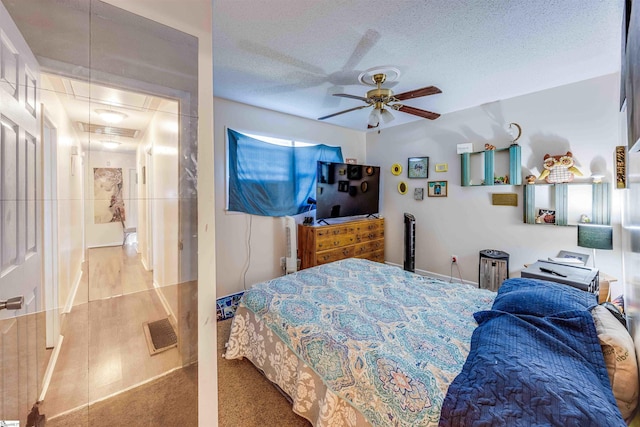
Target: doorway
{"x": 112, "y": 59}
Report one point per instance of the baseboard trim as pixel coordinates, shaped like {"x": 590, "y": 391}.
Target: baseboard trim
{"x": 435, "y": 275}
{"x": 72, "y": 296}
{"x": 165, "y": 303}
{"x": 50, "y": 367}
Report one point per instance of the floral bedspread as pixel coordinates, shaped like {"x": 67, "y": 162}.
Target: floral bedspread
{"x": 383, "y": 340}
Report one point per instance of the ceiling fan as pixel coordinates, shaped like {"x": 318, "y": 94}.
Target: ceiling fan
{"x": 380, "y": 97}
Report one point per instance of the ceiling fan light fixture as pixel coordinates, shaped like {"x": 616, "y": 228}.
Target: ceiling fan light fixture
{"x": 386, "y": 116}
{"x": 374, "y": 117}
{"x": 111, "y": 116}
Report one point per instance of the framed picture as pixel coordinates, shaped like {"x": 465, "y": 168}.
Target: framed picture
{"x": 437, "y": 189}
{"x": 442, "y": 167}
{"x": 565, "y": 256}
{"x": 418, "y": 167}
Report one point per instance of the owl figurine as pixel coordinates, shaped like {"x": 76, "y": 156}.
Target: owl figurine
{"x": 558, "y": 169}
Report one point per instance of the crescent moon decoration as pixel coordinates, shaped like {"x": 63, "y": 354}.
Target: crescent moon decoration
{"x": 519, "y": 131}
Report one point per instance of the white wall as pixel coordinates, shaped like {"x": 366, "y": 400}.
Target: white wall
{"x": 109, "y": 234}
{"x": 69, "y": 193}
{"x": 267, "y": 234}
{"x": 582, "y": 118}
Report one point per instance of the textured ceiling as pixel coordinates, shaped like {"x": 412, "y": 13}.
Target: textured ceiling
{"x": 291, "y": 55}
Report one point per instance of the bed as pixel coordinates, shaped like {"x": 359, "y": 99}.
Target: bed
{"x": 360, "y": 343}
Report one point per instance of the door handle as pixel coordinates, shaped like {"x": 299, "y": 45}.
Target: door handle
{"x": 14, "y": 303}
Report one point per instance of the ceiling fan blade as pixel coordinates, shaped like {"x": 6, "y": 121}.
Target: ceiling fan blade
{"x": 346, "y": 95}
{"x": 342, "y": 112}
{"x": 429, "y": 90}
{"x": 369, "y": 38}
{"x": 416, "y": 111}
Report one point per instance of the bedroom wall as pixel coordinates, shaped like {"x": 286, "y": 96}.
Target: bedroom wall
{"x": 239, "y": 234}
{"x": 582, "y": 118}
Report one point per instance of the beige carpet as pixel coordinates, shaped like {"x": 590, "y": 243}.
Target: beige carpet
{"x": 245, "y": 397}
{"x": 171, "y": 400}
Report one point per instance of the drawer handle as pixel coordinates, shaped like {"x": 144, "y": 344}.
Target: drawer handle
{"x": 371, "y": 235}
{"x": 336, "y": 231}
{"x": 345, "y": 252}
{"x": 336, "y": 243}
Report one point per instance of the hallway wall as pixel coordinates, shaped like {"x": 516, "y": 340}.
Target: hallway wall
{"x": 107, "y": 234}
{"x": 69, "y": 188}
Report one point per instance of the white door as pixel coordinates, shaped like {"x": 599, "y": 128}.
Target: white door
{"x": 21, "y": 330}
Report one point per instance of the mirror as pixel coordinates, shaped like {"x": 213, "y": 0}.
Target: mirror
{"x": 106, "y": 229}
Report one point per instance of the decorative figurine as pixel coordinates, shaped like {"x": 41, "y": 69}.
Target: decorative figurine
{"x": 531, "y": 179}
{"x": 559, "y": 169}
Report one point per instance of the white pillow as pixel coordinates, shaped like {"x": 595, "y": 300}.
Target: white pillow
{"x": 620, "y": 359}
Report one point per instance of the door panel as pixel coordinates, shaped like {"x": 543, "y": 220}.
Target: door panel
{"x": 21, "y": 330}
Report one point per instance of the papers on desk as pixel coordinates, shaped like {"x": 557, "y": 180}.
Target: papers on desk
{"x": 567, "y": 260}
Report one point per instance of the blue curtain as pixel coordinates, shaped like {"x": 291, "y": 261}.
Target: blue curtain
{"x": 273, "y": 180}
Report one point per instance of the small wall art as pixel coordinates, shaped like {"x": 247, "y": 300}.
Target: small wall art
{"x": 621, "y": 166}
{"x": 442, "y": 167}
{"x": 437, "y": 189}
{"x": 418, "y": 167}
{"x": 418, "y": 194}
{"x": 403, "y": 188}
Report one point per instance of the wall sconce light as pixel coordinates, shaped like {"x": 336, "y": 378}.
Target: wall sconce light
{"x": 597, "y": 178}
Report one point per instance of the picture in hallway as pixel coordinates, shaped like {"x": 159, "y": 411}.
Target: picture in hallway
{"x": 107, "y": 195}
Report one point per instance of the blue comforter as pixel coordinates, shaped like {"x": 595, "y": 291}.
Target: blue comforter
{"x": 535, "y": 360}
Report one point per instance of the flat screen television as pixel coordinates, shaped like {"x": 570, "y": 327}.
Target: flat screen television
{"x": 347, "y": 190}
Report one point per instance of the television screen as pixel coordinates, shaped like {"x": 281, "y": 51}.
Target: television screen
{"x": 346, "y": 190}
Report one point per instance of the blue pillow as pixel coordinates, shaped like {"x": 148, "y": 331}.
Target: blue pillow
{"x": 524, "y": 296}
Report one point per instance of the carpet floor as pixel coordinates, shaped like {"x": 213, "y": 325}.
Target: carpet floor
{"x": 171, "y": 400}
{"x": 245, "y": 397}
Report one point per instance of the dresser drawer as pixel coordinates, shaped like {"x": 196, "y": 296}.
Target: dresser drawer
{"x": 370, "y": 246}
{"x": 377, "y": 256}
{"x": 330, "y": 241}
{"x": 324, "y": 232}
{"x": 366, "y": 235}
{"x": 334, "y": 255}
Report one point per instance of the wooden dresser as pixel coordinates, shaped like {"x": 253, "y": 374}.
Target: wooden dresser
{"x": 320, "y": 244}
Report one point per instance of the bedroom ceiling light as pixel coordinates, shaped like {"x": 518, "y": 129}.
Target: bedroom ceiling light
{"x": 111, "y": 116}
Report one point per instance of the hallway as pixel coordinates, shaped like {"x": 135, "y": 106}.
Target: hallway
{"x": 104, "y": 350}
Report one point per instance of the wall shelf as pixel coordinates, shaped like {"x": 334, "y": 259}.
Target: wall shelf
{"x": 557, "y": 199}
{"x": 488, "y": 159}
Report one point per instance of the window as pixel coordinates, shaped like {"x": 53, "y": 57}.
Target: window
{"x": 272, "y": 177}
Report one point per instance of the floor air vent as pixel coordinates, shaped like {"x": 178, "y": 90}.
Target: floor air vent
{"x": 160, "y": 335}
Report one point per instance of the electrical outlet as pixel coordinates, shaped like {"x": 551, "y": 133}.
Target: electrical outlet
{"x": 454, "y": 258}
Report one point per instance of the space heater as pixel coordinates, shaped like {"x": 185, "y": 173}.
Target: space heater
{"x": 291, "y": 260}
